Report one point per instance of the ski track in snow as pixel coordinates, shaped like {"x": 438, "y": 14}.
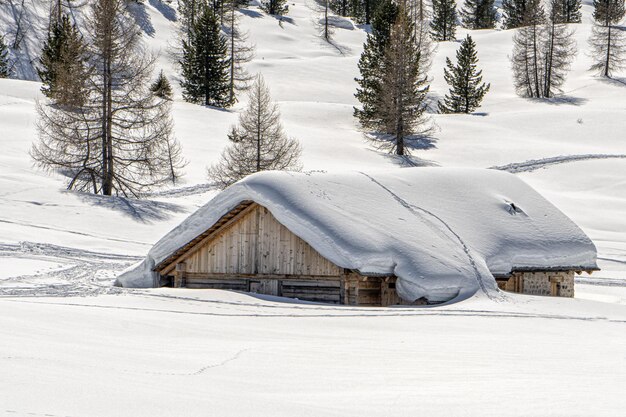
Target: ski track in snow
{"x": 535, "y": 164}
{"x": 336, "y": 312}
{"x": 84, "y": 273}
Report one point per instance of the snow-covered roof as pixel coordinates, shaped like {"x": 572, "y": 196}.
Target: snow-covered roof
{"x": 443, "y": 232}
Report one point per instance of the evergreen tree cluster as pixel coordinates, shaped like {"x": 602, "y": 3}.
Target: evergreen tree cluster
{"x": 514, "y": 12}
{"x": 205, "y": 63}
{"x": 479, "y": 14}
{"x": 362, "y": 11}
{"x": 444, "y": 21}
{"x": 214, "y": 52}
{"x": 275, "y": 7}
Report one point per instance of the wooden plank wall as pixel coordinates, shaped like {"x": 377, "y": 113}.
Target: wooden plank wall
{"x": 259, "y": 244}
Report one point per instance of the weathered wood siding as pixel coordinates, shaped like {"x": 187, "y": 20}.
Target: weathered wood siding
{"x": 258, "y": 244}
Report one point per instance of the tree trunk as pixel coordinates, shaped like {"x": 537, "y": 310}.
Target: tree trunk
{"x": 608, "y": 51}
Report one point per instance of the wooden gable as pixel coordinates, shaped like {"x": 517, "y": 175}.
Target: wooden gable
{"x": 252, "y": 242}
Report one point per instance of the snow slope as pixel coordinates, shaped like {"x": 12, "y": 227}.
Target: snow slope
{"x": 313, "y": 82}
{"x": 162, "y": 352}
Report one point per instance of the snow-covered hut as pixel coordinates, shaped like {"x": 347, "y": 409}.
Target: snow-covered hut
{"x": 399, "y": 236}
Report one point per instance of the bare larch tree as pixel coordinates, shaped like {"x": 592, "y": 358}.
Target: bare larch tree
{"x": 258, "y": 143}
{"x": 114, "y": 142}
{"x": 403, "y": 89}
{"x": 608, "y": 41}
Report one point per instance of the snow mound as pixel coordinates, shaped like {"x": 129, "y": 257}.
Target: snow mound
{"x": 443, "y": 232}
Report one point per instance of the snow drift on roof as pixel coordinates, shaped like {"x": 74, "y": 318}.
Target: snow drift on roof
{"x": 443, "y": 232}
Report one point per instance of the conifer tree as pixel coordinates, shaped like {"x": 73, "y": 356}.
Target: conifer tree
{"x": 239, "y": 51}
{"x": 275, "y": 7}
{"x": 558, "y": 50}
{"x": 465, "y": 79}
{"x": 513, "y": 13}
{"x": 526, "y": 59}
{"x": 62, "y": 67}
{"x": 258, "y": 143}
{"x": 608, "y": 43}
{"x": 161, "y": 87}
{"x": 371, "y": 65}
{"x": 188, "y": 12}
{"x": 543, "y": 50}
{"x": 443, "y": 25}
{"x": 570, "y": 10}
{"x": 4, "y": 58}
{"x": 478, "y": 14}
{"x": 114, "y": 141}
{"x": 419, "y": 15}
{"x": 404, "y": 89}
{"x": 205, "y": 63}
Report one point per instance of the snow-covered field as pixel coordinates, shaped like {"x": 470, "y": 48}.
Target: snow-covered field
{"x": 73, "y": 345}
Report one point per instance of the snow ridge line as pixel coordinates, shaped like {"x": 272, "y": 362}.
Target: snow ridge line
{"x": 535, "y": 164}
{"x": 414, "y": 210}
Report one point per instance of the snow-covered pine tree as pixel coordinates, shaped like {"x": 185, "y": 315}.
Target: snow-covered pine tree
{"x": 403, "y": 90}
{"x": 443, "y": 24}
{"x": 205, "y": 64}
{"x": 608, "y": 43}
{"x": 570, "y": 10}
{"x": 4, "y": 58}
{"x": 161, "y": 87}
{"x": 113, "y": 142}
{"x": 478, "y": 14}
{"x": 258, "y": 143}
{"x": 513, "y": 12}
{"x": 62, "y": 66}
{"x": 465, "y": 79}
{"x": 371, "y": 65}
{"x": 239, "y": 51}
{"x": 559, "y": 49}
{"x": 275, "y": 7}
{"x": 527, "y": 58}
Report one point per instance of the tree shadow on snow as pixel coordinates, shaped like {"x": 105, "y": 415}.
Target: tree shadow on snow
{"x": 251, "y": 13}
{"x": 143, "y": 211}
{"x": 340, "y": 22}
{"x": 616, "y": 81}
{"x": 559, "y": 100}
{"x": 165, "y": 9}
{"x": 140, "y": 14}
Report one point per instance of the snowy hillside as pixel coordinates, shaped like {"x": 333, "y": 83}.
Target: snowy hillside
{"x": 313, "y": 82}
{"x": 166, "y": 352}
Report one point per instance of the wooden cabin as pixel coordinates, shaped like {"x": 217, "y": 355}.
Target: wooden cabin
{"x": 321, "y": 236}
{"x": 249, "y": 250}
